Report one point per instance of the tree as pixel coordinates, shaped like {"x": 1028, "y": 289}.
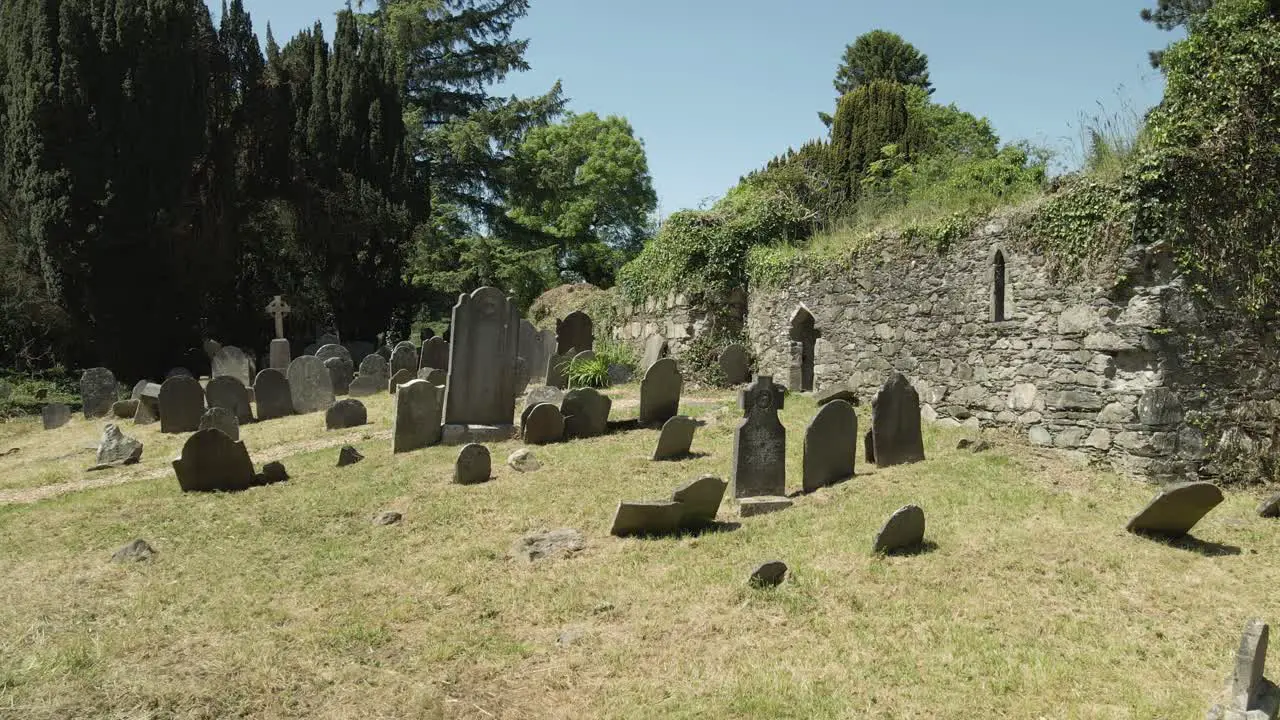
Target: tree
{"x": 1174, "y": 14}
{"x": 880, "y": 55}
{"x": 867, "y": 119}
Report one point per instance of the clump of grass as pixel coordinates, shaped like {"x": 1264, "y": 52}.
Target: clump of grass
{"x": 1108, "y": 140}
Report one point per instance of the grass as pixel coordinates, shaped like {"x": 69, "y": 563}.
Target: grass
{"x": 286, "y": 602}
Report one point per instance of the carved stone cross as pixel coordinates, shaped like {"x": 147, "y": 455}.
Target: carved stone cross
{"x": 278, "y": 309}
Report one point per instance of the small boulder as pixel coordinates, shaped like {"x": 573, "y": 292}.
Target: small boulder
{"x": 837, "y": 392}
{"x": 117, "y": 448}
{"x": 473, "y": 465}
{"x": 389, "y": 517}
{"x": 136, "y": 551}
{"x": 904, "y": 530}
{"x": 124, "y": 409}
{"x": 1270, "y": 508}
{"x": 523, "y": 460}
{"x": 348, "y": 455}
{"x": 548, "y": 545}
{"x": 272, "y": 473}
{"x": 770, "y": 574}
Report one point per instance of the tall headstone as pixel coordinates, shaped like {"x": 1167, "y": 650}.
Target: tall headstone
{"x": 309, "y": 385}
{"x": 574, "y": 333}
{"x": 279, "y": 355}
{"x": 227, "y": 392}
{"x": 660, "y": 392}
{"x": 232, "y": 361}
{"x": 416, "y": 422}
{"x": 586, "y": 413}
{"x": 97, "y": 392}
{"x": 655, "y": 348}
{"x": 482, "y": 362}
{"x": 271, "y": 394}
{"x": 735, "y": 363}
{"x": 830, "y": 445}
{"x": 435, "y": 353}
{"x": 212, "y": 462}
{"x": 181, "y": 404}
{"x": 760, "y": 442}
{"x": 895, "y": 423}
{"x": 404, "y": 357}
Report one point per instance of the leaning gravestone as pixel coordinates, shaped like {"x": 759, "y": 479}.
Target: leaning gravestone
{"x": 542, "y": 424}
{"x": 660, "y": 392}
{"x": 181, "y": 404}
{"x": 231, "y": 360}
{"x": 474, "y": 465}
{"x": 735, "y": 364}
{"x": 760, "y": 442}
{"x": 309, "y": 385}
{"x": 404, "y": 357}
{"x": 435, "y": 354}
{"x": 399, "y": 378}
{"x": 692, "y": 506}
{"x": 676, "y": 438}
{"x": 830, "y": 445}
{"x": 574, "y": 333}
{"x": 1176, "y": 509}
{"x": 416, "y": 419}
{"x": 904, "y": 530}
{"x": 222, "y": 419}
{"x": 482, "y": 364}
{"x": 212, "y": 462}
{"x": 345, "y": 414}
{"x": 558, "y": 370}
{"x": 586, "y": 413}
{"x": 227, "y": 392}
{"x": 271, "y": 394}
{"x": 97, "y": 392}
{"x": 895, "y": 423}
{"x": 655, "y": 348}
{"x": 55, "y": 415}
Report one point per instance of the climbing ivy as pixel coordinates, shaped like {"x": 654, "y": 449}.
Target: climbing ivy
{"x": 1082, "y": 228}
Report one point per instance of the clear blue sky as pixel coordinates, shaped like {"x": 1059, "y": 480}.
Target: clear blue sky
{"x": 717, "y": 87}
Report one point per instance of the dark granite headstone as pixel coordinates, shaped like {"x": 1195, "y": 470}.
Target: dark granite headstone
{"x": 676, "y": 438}
{"x": 482, "y": 363}
{"x": 542, "y": 424}
{"x": 435, "y": 354}
{"x": 348, "y": 455}
{"x": 735, "y": 363}
{"x": 213, "y": 462}
{"x": 309, "y": 385}
{"x": 271, "y": 394}
{"x": 760, "y": 442}
{"x": 660, "y": 392}
{"x": 220, "y": 418}
{"x": 474, "y": 465}
{"x": 895, "y": 423}
{"x": 1176, "y": 509}
{"x": 345, "y": 414}
{"x": 574, "y": 333}
{"x": 226, "y": 391}
{"x": 586, "y": 413}
{"x": 904, "y": 530}
{"x": 830, "y": 445}
{"x": 340, "y": 373}
{"x": 416, "y": 422}
{"x": 147, "y": 412}
{"x": 97, "y": 392}
{"x": 181, "y": 404}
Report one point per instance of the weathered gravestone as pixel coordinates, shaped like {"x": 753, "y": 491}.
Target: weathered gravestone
{"x": 1270, "y": 508}
{"x": 528, "y": 355}
{"x": 181, "y": 404}
{"x": 124, "y": 409}
{"x": 55, "y": 415}
{"x": 1176, "y": 509}
{"x": 416, "y": 422}
{"x": 435, "y": 354}
{"x": 138, "y": 389}
{"x": 221, "y": 419}
{"x": 232, "y": 361}
{"x": 574, "y": 333}
{"x": 660, "y": 392}
{"x": 148, "y": 410}
{"x": 97, "y": 392}
{"x": 117, "y": 448}
{"x": 558, "y": 371}
{"x": 583, "y": 357}
{"x": 211, "y": 347}
{"x": 404, "y": 357}
{"x": 474, "y": 465}
{"x": 345, "y": 414}
{"x": 895, "y": 423}
{"x": 760, "y": 442}
{"x": 482, "y": 362}
{"x": 178, "y": 372}
{"x": 271, "y": 393}
{"x": 227, "y": 392}
{"x": 542, "y": 424}
{"x": 735, "y": 363}
{"x": 903, "y": 531}
{"x": 543, "y": 394}
{"x": 1250, "y": 695}
{"x": 435, "y": 376}
{"x": 830, "y": 445}
{"x": 309, "y": 385}
{"x": 586, "y": 413}
{"x": 869, "y": 444}
{"x": 655, "y": 348}
{"x": 341, "y": 370}
{"x": 837, "y": 392}
{"x": 692, "y": 506}
{"x": 399, "y": 378}
{"x": 359, "y": 350}
{"x": 213, "y": 462}
{"x": 374, "y": 375}
{"x": 676, "y": 438}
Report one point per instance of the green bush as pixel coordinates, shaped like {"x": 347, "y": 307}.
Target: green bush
{"x": 588, "y": 372}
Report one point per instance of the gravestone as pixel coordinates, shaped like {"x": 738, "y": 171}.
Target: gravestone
{"x": 416, "y": 419}
{"x": 227, "y": 392}
{"x": 178, "y": 372}
{"x": 211, "y": 347}
{"x": 676, "y": 438}
{"x": 586, "y": 413}
{"x": 542, "y": 424}
{"x": 699, "y": 501}
{"x": 373, "y": 378}
{"x": 340, "y": 374}
{"x": 309, "y": 385}
{"x": 148, "y": 411}
{"x": 895, "y": 423}
{"x": 232, "y": 361}
{"x": 138, "y": 388}
{"x": 558, "y": 371}
{"x": 213, "y": 462}
{"x": 528, "y": 353}
{"x": 655, "y": 348}
{"x": 769, "y": 574}
{"x": 97, "y": 392}
{"x": 345, "y": 414}
{"x": 760, "y": 442}
{"x": 1176, "y": 509}
{"x": 837, "y": 392}
{"x": 55, "y": 415}
{"x": 543, "y": 394}
{"x": 181, "y": 404}
{"x": 693, "y": 506}
{"x": 620, "y": 374}
{"x": 221, "y": 419}
{"x": 904, "y": 530}
{"x": 117, "y": 448}
{"x": 830, "y": 445}
{"x": 399, "y": 378}
{"x": 869, "y": 443}
{"x": 435, "y": 376}
{"x": 474, "y": 465}
{"x": 584, "y": 356}
{"x": 660, "y": 392}
{"x": 359, "y": 350}
{"x": 271, "y": 394}
{"x": 735, "y": 363}
{"x": 124, "y": 409}
{"x": 348, "y": 455}
{"x": 404, "y": 357}
{"x": 574, "y": 333}
{"x": 1270, "y": 507}
{"x": 435, "y": 354}
{"x": 482, "y": 362}
{"x": 279, "y": 354}
{"x": 763, "y": 505}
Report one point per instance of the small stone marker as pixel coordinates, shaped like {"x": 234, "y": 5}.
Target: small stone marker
{"x": 272, "y": 473}
{"x": 830, "y": 445}
{"x": 345, "y": 414}
{"x": 473, "y": 465}
{"x": 309, "y": 385}
{"x": 1176, "y": 509}
{"x": 55, "y": 415}
{"x": 760, "y": 442}
{"x": 97, "y": 392}
{"x": 1247, "y": 679}
{"x": 542, "y": 425}
{"x": 676, "y": 438}
{"x": 227, "y": 392}
{"x": 523, "y": 460}
{"x": 656, "y": 517}
{"x": 213, "y": 462}
{"x": 124, "y": 409}
{"x": 388, "y": 517}
{"x": 231, "y": 360}
{"x": 904, "y": 530}
{"x": 762, "y": 505}
{"x": 770, "y": 574}
{"x": 348, "y": 455}
{"x": 117, "y": 448}
{"x": 222, "y": 419}
{"x": 735, "y": 363}
{"x": 399, "y": 378}
{"x": 416, "y": 422}
{"x": 404, "y": 357}
{"x": 574, "y": 333}
{"x": 137, "y": 551}
{"x": 837, "y": 392}
{"x": 586, "y": 413}
{"x": 1270, "y": 508}
{"x": 435, "y": 354}
{"x": 895, "y": 423}
{"x": 660, "y": 392}
{"x": 548, "y": 545}
{"x": 271, "y": 394}
{"x": 181, "y": 404}
{"x": 655, "y": 348}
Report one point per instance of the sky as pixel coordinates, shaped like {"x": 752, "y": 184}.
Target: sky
{"x": 715, "y": 88}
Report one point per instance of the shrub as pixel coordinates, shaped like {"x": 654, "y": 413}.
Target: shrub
{"x": 588, "y": 372}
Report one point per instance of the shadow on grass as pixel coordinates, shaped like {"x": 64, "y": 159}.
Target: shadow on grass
{"x": 686, "y": 456}
{"x": 628, "y": 425}
{"x": 835, "y": 484}
{"x": 1192, "y": 543}
{"x": 923, "y": 548}
{"x": 708, "y": 529}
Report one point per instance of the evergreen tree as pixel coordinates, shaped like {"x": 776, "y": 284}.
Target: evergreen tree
{"x": 1174, "y": 14}
{"x": 879, "y": 55}
{"x": 867, "y": 119}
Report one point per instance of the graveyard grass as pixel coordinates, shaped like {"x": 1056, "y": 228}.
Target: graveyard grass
{"x": 285, "y": 601}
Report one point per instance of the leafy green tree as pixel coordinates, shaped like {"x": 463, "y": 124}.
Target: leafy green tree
{"x": 1174, "y": 14}
{"x": 880, "y": 55}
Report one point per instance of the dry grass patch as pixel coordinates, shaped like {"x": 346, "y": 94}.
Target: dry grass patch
{"x": 285, "y": 601}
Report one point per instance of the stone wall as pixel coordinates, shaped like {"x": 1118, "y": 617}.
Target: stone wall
{"x": 675, "y": 317}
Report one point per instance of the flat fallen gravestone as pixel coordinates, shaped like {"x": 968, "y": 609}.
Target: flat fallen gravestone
{"x": 271, "y": 394}
{"x": 226, "y": 392}
{"x": 55, "y": 415}
{"x": 676, "y": 438}
{"x": 309, "y": 385}
{"x": 181, "y": 404}
{"x": 117, "y": 448}
{"x": 97, "y": 392}
{"x": 213, "y": 462}
{"x": 830, "y": 445}
{"x": 1176, "y": 509}
{"x": 548, "y": 545}
{"x": 735, "y": 363}
{"x": 416, "y": 420}
{"x": 763, "y": 505}
{"x": 657, "y": 517}
{"x": 219, "y": 418}
{"x": 586, "y": 413}
{"x": 904, "y": 530}
{"x": 895, "y": 423}
{"x": 345, "y": 414}
{"x": 542, "y": 425}
{"x": 474, "y": 465}
{"x": 660, "y": 392}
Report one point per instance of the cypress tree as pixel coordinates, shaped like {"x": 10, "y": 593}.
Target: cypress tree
{"x": 866, "y": 120}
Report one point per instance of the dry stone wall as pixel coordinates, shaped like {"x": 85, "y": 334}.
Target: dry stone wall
{"x": 675, "y": 317}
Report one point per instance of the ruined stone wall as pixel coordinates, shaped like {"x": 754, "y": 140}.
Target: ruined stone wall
{"x": 675, "y": 317}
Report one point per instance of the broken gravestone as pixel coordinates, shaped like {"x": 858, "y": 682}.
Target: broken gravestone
{"x": 1176, "y": 509}
{"x": 692, "y": 506}
{"x": 116, "y": 448}
{"x": 769, "y": 574}
{"x": 548, "y": 545}
{"x": 348, "y": 455}
{"x": 1250, "y": 696}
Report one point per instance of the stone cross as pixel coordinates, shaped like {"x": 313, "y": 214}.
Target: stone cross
{"x": 278, "y": 309}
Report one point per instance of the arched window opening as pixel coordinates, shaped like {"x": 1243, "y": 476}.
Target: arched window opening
{"x": 804, "y": 338}
{"x": 998, "y": 287}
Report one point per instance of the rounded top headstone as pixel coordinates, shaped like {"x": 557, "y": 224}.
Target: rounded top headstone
{"x": 310, "y": 385}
